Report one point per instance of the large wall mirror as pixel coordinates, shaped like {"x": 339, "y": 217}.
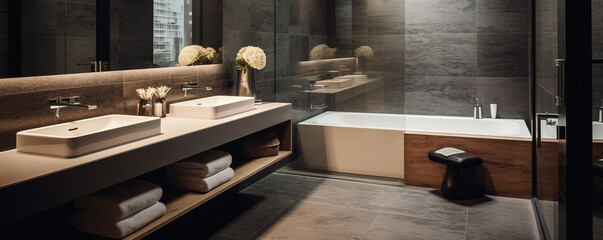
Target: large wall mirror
{"x": 46, "y": 37}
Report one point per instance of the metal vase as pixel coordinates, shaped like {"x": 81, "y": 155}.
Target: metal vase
{"x": 361, "y": 63}
{"x": 245, "y": 82}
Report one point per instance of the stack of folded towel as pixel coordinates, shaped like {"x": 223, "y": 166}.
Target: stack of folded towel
{"x": 202, "y": 172}
{"x": 119, "y": 210}
{"x": 261, "y": 144}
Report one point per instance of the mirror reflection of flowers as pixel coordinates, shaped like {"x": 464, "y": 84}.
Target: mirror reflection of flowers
{"x": 364, "y": 51}
{"x": 196, "y": 55}
{"x": 251, "y": 56}
{"x": 322, "y": 51}
{"x": 217, "y": 57}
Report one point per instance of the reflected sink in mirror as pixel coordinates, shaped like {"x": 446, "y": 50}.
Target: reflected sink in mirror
{"x": 358, "y": 78}
{"x": 212, "y": 107}
{"x": 336, "y": 83}
{"x": 81, "y": 137}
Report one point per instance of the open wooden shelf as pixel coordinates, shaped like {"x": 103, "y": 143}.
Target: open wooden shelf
{"x": 189, "y": 201}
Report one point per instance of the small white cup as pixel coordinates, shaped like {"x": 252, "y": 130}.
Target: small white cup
{"x": 493, "y": 110}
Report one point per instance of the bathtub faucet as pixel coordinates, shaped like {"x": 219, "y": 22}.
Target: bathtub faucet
{"x": 477, "y": 109}
{"x": 601, "y": 111}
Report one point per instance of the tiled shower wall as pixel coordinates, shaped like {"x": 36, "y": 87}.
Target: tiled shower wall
{"x": 457, "y": 50}
{"x": 434, "y": 56}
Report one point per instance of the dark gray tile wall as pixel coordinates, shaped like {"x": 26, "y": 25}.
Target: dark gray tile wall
{"x": 251, "y": 23}
{"x": 457, "y": 50}
{"x": 4, "y": 47}
{"x": 597, "y": 52}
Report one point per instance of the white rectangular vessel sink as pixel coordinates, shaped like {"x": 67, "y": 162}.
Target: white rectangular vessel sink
{"x": 81, "y": 137}
{"x": 212, "y": 107}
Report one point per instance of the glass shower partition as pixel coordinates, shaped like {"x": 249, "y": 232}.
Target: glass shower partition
{"x": 546, "y": 89}
{"x": 327, "y": 59}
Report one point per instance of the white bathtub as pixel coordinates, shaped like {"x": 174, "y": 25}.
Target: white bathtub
{"x": 468, "y": 126}
{"x": 373, "y": 144}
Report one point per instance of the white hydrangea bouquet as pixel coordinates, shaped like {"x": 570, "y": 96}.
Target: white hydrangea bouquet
{"x": 196, "y": 55}
{"x": 364, "y": 51}
{"x": 322, "y": 51}
{"x": 250, "y": 56}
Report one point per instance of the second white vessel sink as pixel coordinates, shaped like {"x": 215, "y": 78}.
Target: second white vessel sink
{"x": 81, "y": 137}
{"x": 212, "y": 107}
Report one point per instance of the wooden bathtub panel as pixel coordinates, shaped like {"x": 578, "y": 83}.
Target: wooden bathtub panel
{"x": 506, "y": 171}
{"x": 548, "y": 171}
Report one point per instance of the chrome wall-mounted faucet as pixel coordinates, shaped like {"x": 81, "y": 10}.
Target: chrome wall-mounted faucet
{"x": 313, "y": 85}
{"x": 190, "y": 85}
{"x": 318, "y": 107}
{"x": 61, "y": 102}
{"x": 477, "y": 109}
{"x": 601, "y": 111}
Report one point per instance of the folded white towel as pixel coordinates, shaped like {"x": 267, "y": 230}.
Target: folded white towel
{"x": 204, "y": 164}
{"x": 121, "y": 200}
{"x": 93, "y": 223}
{"x": 198, "y": 184}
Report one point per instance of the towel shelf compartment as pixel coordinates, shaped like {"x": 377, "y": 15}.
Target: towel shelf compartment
{"x": 189, "y": 201}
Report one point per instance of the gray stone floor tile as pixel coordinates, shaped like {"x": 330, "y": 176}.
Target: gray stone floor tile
{"x": 349, "y": 194}
{"x": 391, "y": 226}
{"x": 317, "y": 221}
{"x": 279, "y": 185}
{"x": 502, "y": 218}
{"x": 422, "y": 202}
{"x": 249, "y": 223}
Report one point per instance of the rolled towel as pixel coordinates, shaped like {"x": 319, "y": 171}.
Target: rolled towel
{"x": 121, "y": 200}
{"x": 203, "y": 165}
{"x": 197, "y": 184}
{"x": 93, "y": 223}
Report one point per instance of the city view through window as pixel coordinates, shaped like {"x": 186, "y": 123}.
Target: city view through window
{"x": 172, "y": 29}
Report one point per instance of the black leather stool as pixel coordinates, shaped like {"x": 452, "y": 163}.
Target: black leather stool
{"x": 453, "y": 185}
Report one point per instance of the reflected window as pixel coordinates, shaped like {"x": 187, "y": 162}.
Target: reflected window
{"x": 172, "y": 29}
